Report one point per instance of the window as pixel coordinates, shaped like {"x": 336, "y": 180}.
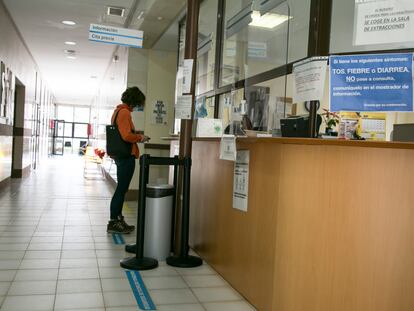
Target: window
{"x": 68, "y": 129}
{"x": 82, "y": 114}
{"x": 80, "y": 131}
{"x": 65, "y": 113}
{"x": 357, "y": 26}
{"x": 73, "y": 113}
{"x": 206, "y": 52}
{"x": 256, "y": 36}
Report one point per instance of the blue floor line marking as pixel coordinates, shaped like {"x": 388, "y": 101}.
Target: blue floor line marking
{"x": 140, "y": 291}
{"x": 118, "y": 238}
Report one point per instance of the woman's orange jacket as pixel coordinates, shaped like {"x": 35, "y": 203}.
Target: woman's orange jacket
{"x": 126, "y": 127}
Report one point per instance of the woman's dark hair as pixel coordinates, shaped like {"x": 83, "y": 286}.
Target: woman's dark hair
{"x": 133, "y": 97}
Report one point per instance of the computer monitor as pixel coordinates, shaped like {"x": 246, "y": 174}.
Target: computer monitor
{"x": 403, "y": 132}
{"x": 298, "y": 126}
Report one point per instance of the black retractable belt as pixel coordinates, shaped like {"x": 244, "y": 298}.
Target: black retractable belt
{"x": 183, "y": 259}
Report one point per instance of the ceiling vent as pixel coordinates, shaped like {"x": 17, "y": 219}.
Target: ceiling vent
{"x": 115, "y": 11}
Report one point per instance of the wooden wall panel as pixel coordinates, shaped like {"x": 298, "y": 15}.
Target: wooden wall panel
{"x": 240, "y": 246}
{"x": 345, "y": 230}
{"x": 329, "y": 228}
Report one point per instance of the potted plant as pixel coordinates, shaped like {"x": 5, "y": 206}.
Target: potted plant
{"x": 331, "y": 120}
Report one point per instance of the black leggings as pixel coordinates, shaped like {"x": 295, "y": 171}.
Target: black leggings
{"x": 125, "y": 169}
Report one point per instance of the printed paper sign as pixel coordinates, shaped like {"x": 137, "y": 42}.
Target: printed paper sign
{"x": 381, "y": 82}
{"x": 309, "y": 79}
{"x": 383, "y": 21}
{"x": 159, "y": 113}
{"x": 241, "y": 180}
{"x": 183, "y": 107}
{"x": 228, "y": 149}
{"x": 187, "y": 75}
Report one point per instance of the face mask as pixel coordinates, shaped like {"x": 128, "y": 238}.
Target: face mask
{"x": 137, "y": 108}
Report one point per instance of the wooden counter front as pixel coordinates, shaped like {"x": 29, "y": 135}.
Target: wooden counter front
{"x": 328, "y": 227}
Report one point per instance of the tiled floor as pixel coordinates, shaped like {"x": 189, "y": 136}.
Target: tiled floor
{"x": 55, "y": 253}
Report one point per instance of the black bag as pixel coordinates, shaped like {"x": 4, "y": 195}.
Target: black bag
{"x": 116, "y": 147}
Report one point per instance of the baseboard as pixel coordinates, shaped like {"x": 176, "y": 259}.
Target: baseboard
{"x": 4, "y": 183}
{"x": 17, "y": 173}
{"x": 20, "y": 173}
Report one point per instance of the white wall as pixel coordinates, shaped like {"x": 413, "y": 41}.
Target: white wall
{"x": 153, "y": 71}
{"x": 16, "y": 56}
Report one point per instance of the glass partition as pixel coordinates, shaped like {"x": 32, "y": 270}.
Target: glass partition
{"x": 229, "y": 107}
{"x": 269, "y": 102}
{"x": 266, "y": 104}
{"x": 206, "y": 51}
{"x": 256, "y": 36}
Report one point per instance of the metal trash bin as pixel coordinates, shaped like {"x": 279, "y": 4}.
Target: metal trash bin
{"x": 158, "y": 217}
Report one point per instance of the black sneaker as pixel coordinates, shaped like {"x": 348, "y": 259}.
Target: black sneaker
{"x": 121, "y": 219}
{"x": 117, "y": 226}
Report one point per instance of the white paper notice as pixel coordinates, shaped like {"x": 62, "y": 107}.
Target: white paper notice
{"x": 179, "y": 83}
{"x": 228, "y": 149}
{"x": 187, "y": 75}
{"x": 207, "y": 127}
{"x": 309, "y": 79}
{"x": 383, "y": 21}
{"x": 241, "y": 180}
{"x": 183, "y": 107}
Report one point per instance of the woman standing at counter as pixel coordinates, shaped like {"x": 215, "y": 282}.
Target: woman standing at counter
{"x": 132, "y": 98}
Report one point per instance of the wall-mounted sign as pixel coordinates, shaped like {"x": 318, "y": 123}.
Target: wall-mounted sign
{"x": 381, "y": 82}
{"x": 309, "y": 79}
{"x": 159, "y": 113}
{"x": 115, "y": 35}
{"x": 241, "y": 180}
{"x": 383, "y": 21}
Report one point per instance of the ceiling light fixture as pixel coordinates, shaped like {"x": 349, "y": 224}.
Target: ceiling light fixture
{"x": 140, "y": 15}
{"x": 268, "y": 20}
{"x": 69, "y": 23}
{"x": 70, "y": 43}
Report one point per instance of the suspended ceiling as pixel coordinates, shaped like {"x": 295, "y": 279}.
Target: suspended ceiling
{"x": 76, "y": 81}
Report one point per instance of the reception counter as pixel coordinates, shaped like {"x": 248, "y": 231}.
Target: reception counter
{"x": 329, "y": 226}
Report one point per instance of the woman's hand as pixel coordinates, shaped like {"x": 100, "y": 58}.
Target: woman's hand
{"x": 145, "y": 138}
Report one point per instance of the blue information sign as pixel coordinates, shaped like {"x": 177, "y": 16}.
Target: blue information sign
{"x": 382, "y": 82}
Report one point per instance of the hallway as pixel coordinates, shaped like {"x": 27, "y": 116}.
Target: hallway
{"x": 55, "y": 253}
